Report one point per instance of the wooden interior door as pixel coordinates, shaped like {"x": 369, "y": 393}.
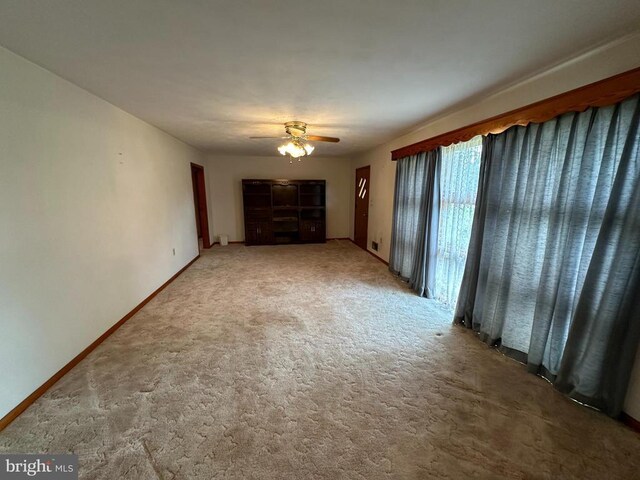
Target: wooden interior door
{"x": 361, "y": 217}
{"x": 200, "y": 197}
{"x": 196, "y": 205}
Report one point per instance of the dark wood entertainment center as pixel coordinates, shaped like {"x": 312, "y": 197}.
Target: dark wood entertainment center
{"x": 284, "y": 211}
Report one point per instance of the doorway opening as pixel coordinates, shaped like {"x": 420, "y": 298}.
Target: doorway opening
{"x": 361, "y": 215}
{"x": 200, "y": 203}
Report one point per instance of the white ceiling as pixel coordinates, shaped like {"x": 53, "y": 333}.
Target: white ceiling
{"x": 212, "y": 73}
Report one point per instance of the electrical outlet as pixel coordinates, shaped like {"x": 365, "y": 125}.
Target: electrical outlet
{"x": 174, "y": 252}
{"x": 374, "y": 245}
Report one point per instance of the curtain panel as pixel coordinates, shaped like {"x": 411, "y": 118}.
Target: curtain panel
{"x": 416, "y": 210}
{"x": 458, "y": 186}
{"x": 553, "y": 269}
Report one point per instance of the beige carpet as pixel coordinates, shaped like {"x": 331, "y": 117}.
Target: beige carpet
{"x": 299, "y": 362}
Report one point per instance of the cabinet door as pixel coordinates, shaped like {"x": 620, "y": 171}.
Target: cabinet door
{"x": 258, "y": 233}
{"x": 312, "y": 231}
{"x": 265, "y": 233}
{"x": 306, "y": 232}
{"x": 251, "y": 233}
{"x": 258, "y": 227}
{"x": 319, "y": 232}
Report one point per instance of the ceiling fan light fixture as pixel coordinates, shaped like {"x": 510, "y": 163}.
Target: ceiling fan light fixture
{"x": 297, "y": 145}
{"x": 295, "y": 149}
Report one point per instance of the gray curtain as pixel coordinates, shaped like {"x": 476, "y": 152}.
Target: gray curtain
{"x": 553, "y": 269}
{"x": 416, "y": 206}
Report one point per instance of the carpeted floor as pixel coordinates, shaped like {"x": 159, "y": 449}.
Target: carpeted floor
{"x": 311, "y": 361}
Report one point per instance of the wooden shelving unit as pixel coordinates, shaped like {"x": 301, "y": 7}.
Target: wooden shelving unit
{"x": 284, "y": 211}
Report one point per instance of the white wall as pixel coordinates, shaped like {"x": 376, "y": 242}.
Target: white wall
{"x": 224, "y": 188}
{"x": 92, "y": 202}
{"x": 608, "y": 60}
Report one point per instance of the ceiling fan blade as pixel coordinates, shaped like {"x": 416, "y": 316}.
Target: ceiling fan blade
{"x": 318, "y": 138}
{"x": 266, "y": 137}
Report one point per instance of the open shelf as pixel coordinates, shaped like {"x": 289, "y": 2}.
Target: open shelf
{"x": 255, "y": 188}
{"x": 284, "y": 195}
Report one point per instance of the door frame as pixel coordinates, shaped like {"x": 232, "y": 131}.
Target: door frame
{"x": 201, "y": 195}
{"x": 355, "y": 202}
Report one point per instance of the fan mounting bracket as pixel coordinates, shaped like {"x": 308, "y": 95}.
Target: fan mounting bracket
{"x": 296, "y": 128}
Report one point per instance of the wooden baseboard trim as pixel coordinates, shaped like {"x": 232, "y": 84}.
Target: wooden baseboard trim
{"x": 370, "y": 253}
{"x": 339, "y": 238}
{"x": 22, "y": 406}
{"x": 629, "y": 421}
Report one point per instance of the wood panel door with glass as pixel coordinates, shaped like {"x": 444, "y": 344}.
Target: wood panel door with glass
{"x": 361, "y": 216}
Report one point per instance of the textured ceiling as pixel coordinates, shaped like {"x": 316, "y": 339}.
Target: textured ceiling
{"x": 212, "y": 73}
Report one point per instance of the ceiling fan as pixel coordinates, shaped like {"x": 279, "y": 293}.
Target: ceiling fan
{"x": 297, "y": 134}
